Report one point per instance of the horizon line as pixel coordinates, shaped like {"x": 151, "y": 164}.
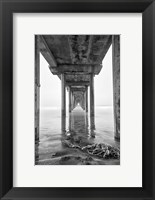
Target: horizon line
{"x": 60, "y": 106}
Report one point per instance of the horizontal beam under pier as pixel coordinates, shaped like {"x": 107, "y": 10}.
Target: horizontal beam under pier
{"x": 85, "y": 69}
{"x": 76, "y": 83}
{"x": 77, "y": 89}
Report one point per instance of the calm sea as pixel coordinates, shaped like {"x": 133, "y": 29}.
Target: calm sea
{"x": 50, "y": 128}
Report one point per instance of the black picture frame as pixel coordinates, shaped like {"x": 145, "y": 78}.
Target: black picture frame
{"x": 7, "y": 8}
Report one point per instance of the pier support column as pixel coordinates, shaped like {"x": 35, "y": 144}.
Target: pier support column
{"x": 70, "y": 121}
{"x": 86, "y": 99}
{"x": 70, "y": 103}
{"x": 92, "y": 95}
{"x": 92, "y": 109}
{"x": 73, "y": 101}
{"x": 83, "y": 101}
{"x": 116, "y": 83}
{"x": 63, "y": 103}
{"x": 86, "y": 123}
{"x": 37, "y": 89}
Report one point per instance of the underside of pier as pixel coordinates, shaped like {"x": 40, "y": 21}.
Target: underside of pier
{"x": 76, "y": 60}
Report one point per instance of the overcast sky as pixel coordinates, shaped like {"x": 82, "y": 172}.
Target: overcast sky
{"x": 50, "y": 94}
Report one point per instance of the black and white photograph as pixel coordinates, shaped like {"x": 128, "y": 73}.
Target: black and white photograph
{"x": 77, "y": 89}
{"x": 77, "y": 100}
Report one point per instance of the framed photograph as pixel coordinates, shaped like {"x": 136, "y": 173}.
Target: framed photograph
{"x": 79, "y": 136}
{"x": 77, "y": 99}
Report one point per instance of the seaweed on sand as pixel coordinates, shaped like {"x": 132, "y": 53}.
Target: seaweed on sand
{"x": 100, "y": 150}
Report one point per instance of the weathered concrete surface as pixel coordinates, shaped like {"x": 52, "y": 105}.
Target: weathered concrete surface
{"x": 99, "y": 48}
{"x": 77, "y": 83}
{"x": 116, "y": 83}
{"x": 78, "y": 88}
{"x": 46, "y": 52}
{"x": 76, "y": 69}
{"x": 59, "y": 46}
{"x": 92, "y": 109}
{"x": 63, "y": 100}
{"x": 77, "y": 77}
{"x": 75, "y": 53}
{"x": 37, "y": 88}
{"x": 79, "y": 48}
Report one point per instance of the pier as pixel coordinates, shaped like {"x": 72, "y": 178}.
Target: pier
{"x": 76, "y": 60}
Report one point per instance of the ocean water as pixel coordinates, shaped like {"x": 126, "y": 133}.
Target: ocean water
{"x": 78, "y": 123}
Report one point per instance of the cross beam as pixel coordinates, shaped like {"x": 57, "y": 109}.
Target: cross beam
{"x": 84, "y": 69}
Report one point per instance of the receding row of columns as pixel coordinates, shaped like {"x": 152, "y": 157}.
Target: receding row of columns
{"x": 72, "y": 99}
{"x": 72, "y": 102}
{"x": 116, "y": 90}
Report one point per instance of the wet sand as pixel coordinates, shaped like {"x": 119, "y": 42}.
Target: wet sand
{"x": 56, "y": 148}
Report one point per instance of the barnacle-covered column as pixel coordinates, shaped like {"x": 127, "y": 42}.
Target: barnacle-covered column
{"x": 116, "y": 83}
